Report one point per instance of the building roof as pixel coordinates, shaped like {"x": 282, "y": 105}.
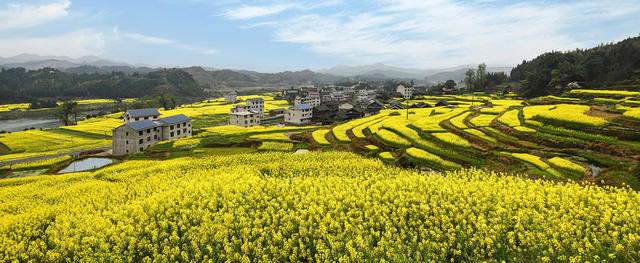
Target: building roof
{"x": 141, "y": 125}
{"x": 142, "y": 112}
{"x": 301, "y": 107}
{"x": 175, "y": 119}
{"x": 313, "y": 97}
{"x": 256, "y": 99}
{"x": 321, "y": 107}
{"x": 232, "y": 93}
{"x": 242, "y": 113}
{"x": 279, "y": 109}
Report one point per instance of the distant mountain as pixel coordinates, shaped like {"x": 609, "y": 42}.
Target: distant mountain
{"x": 87, "y": 64}
{"x": 226, "y": 79}
{"x": 378, "y": 71}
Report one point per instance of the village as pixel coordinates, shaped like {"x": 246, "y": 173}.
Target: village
{"x": 143, "y": 128}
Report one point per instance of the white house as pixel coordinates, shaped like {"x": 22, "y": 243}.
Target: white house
{"x": 231, "y": 97}
{"x": 140, "y": 114}
{"x": 406, "y": 92}
{"x": 247, "y": 118}
{"x": 311, "y": 100}
{"x": 256, "y": 104}
{"x": 299, "y": 114}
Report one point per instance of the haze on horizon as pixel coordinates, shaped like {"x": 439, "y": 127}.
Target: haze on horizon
{"x": 272, "y": 35}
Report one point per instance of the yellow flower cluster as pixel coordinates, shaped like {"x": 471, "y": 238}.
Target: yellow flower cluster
{"x": 480, "y": 134}
{"x": 392, "y": 139}
{"x": 274, "y": 136}
{"x": 458, "y": 121}
{"x": 386, "y": 156}
{"x": 38, "y": 163}
{"x": 482, "y": 120}
{"x": 633, "y": 113}
{"x": 10, "y": 107}
{"x": 606, "y": 92}
{"x": 537, "y": 162}
{"x": 319, "y": 136}
{"x": 317, "y": 207}
{"x": 358, "y": 130}
{"x": 99, "y": 126}
{"x": 276, "y": 146}
{"x": 340, "y": 131}
{"x": 571, "y": 114}
{"x": 34, "y": 142}
{"x": 371, "y": 147}
{"x": 430, "y": 158}
{"x": 566, "y": 164}
{"x": 187, "y": 142}
{"x": 451, "y": 138}
{"x": 510, "y": 118}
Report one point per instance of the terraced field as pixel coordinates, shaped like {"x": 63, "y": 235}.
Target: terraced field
{"x": 561, "y": 141}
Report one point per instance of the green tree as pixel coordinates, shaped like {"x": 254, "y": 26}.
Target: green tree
{"x": 65, "y": 110}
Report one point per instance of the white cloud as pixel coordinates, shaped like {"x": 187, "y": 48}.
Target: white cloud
{"x": 149, "y": 39}
{"x": 18, "y": 16}
{"x": 74, "y": 44}
{"x": 441, "y": 33}
{"x": 249, "y": 12}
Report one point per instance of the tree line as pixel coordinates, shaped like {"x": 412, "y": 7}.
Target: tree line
{"x": 40, "y": 87}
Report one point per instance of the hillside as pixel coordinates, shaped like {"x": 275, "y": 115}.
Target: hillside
{"x": 228, "y": 79}
{"x": 19, "y": 85}
{"x": 609, "y": 66}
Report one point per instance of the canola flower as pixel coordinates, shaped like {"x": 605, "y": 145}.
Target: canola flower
{"x": 606, "y": 92}
{"x": 564, "y": 114}
{"x": 452, "y": 139}
{"x": 386, "y": 156}
{"x": 510, "y": 118}
{"x": 566, "y": 164}
{"x": 537, "y": 162}
{"x": 371, "y": 147}
{"x": 458, "y": 121}
{"x": 38, "y": 163}
{"x": 480, "y": 134}
{"x": 276, "y": 146}
{"x": 332, "y": 206}
{"x": 340, "y": 131}
{"x": 430, "y": 158}
{"x": 274, "y": 136}
{"x": 319, "y": 136}
{"x": 633, "y": 113}
{"x": 391, "y": 138}
{"x": 524, "y": 129}
{"x": 482, "y": 120}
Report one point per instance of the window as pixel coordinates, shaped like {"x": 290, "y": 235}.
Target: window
{"x": 178, "y": 125}
{"x": 137, "y": 119}
{"x": 146, "y": 118}
{"x": 178, "y": 132}
{"x": 127, "y": 133}
{"x": 171, "y": 134}
{"x": 127, "y": 151}
{"x": 141, "y": 141}
{"x": 141, "y": 149}
{"x": 148, "y": 130}
{"x": 126, "y": 142}
{"x": 149, "y": 138}
{"x": 171, "y": 127}
{"x": 189, "y": 124}
{"x": 155, "y": 136}
{"x": 184, "y": 130}
{"x": 140, "y": 133}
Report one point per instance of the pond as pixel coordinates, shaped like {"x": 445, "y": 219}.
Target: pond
{"x": 86, "y": 164}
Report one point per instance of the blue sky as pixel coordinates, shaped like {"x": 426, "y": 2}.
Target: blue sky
{"x": 273, "y": 35}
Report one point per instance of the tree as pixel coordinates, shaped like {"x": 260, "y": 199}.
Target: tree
{"x": 450, "y": 84}
{"x": 66, "y": 109}
{"x": 470, "y": 79}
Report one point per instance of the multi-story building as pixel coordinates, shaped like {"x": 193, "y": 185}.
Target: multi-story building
{"x": 137, "y": 136}
{"x": 141, "y": 114}
{"x": 299, "y": 114}
{"x": 244, "y": 118}
{"x": 256, "y": 104}
{"x": 231, "y": 97}
{"x": 312, "y": 100}
{"x": 406, "y": 92}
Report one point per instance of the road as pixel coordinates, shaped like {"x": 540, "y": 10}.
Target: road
{"x": 37, "y": 158}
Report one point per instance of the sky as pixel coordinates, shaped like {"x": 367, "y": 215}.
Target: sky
{"x": 274, "y": 35}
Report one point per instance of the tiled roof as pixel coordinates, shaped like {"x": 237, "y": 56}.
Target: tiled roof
{"x": 142, "y": 112}
{"x": 141, "y": 125}
{"x": 175, "y": 119}
{"x": 301, "y": 107}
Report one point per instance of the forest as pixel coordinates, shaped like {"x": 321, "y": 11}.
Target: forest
{"x": 607, "y": 66}
{"x": 21, "y": 85}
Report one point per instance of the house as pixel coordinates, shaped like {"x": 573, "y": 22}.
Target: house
{"x": 406, "y": 91}
{"x": 442, "y": 103}
{"x": 231, "y": 97}
{"x": 374, "y": 107}
{"x": 276, "y": 112}
{"x": 322, "y": 114}
{"x": 299, "y": 114}
{"x": 137, "y": 136}
{"x": 312, "y": 100}
{"x": 256, "y": 104}
{"x": 175, "y": 127}
{"x": 239, "y": 108}
{"x": 345, "y": 106}
{"x": 336, "y": 96}
{"x": 140, "y": 114}
{"x": 246, "y": 118}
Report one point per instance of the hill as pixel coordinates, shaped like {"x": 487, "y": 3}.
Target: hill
{"x": 227, "y": 79}
{"x": 608, "y": 66}
{"x": 21, "y": 85}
